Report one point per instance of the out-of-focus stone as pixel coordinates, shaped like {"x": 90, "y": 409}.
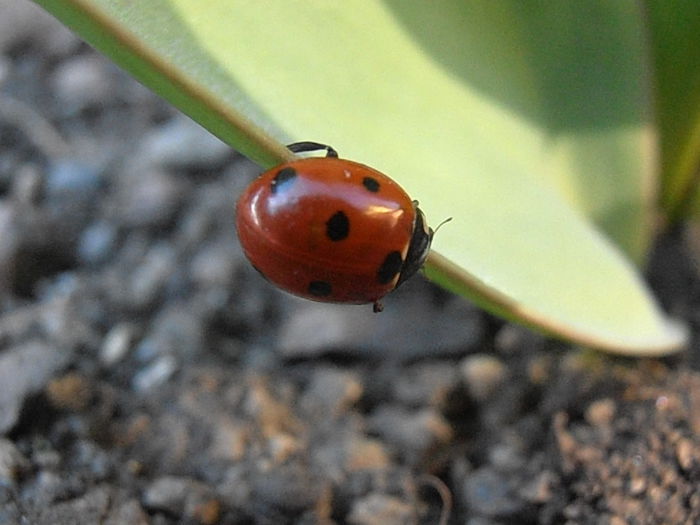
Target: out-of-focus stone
{"x": 376, "y": 508}
{"x": 489, "y": 493}
{"x": 97, "y": 243}
{"x": 331, "y": 392}
{"x": 12, "y": 462}
{"x": 82, "y": 81}
{"x": 406, "y": 329}
{"x": 182, "y": 143}
{"x": 483, "y": 375}
{"x": 116, "y": 344}
{"x": 413, "y": 433}
{"x": 150, "y": 199}
{"x": 182, "y": 496}
{"x": 72, "y": 391}
{"x": 154, "y": 374}
{"x": 25, "y": 370}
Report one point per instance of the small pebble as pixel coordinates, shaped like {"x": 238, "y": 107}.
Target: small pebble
{"x": 365, "y": 454}
{"x": 207, "y": 512}
{"x": 483, "y": 375}
{"x": 311, "y": 330}
{"x": 116, "y": 344}
{"x": 26, "y": 186}
{"x": 178, "y": 496}
{"x": 617, "y": 520}
{"x": 230, "y": 439}
{"x": 81, "y": 81}
{"x": 511, "y": 338}
{"x": 97, "y": 243}
{"x": 686, "y": 454}
{"x": 235, "y": 486}
{"x": 490, "y": 494}
{"x": 272, "y": 415}
{"x": 150, "y": 200}
{"x": 182, "y": 143}
{"x": 12, "y": 462}
{"x": 149, "y": 278}
{"x": 46, "y": 458}
{"x": 177, "y": 330}
{"x": 60, "y": 318}
{"x": 92, "y": 459}
{"x": 381, "y": 509}
{"x": 539, "y": 369}
{"x": 286, "y": 490}
{"x": 155, "y": 374}
{"x": 601, "y": 412}
{"x": 72, "y": 391}
{"x": 72, "y": 179}
{"x": 282, "y": 446}
{"x": 345, "y": 452}
{"x": 414, "y": 433}
{"x": 637, "y": 484}
{"x": 331, "y": 393}
{"x": 426, "y": 384}
{"x": 506, "y": 455}
{"x": 129, "y": 512}
{"x": 48, "y": 486}
{"x": 24, "y": 371}
{"x": 539, "y": 489}
{"x": 214, "y": 266}
{"x": 89, "y": 508}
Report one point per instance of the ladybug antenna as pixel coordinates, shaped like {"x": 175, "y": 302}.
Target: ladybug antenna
{"x": 440, "y": 225}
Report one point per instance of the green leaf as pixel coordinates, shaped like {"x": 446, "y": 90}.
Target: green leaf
{"x": 675, "y": 27}
{"x": 516, "y": 119}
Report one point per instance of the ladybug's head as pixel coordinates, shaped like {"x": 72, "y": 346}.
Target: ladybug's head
{"x": 418, "y": 248}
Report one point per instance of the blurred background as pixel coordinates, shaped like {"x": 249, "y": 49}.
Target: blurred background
{"x": 149, "y": 375}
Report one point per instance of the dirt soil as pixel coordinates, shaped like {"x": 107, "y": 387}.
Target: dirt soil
{"x": 149, "y": 375}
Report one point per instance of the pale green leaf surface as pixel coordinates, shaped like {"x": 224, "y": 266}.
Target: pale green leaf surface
{"x": 478, "y": 128}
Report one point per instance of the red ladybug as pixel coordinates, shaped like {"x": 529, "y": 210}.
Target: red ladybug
{"x": 331, "y": 229}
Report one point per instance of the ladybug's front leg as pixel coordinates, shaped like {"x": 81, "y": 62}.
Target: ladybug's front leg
{"x": 303, "y": 147}
{"x": 377, "y": 307}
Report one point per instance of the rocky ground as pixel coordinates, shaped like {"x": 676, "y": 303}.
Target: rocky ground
{"x": 149, "y": 375}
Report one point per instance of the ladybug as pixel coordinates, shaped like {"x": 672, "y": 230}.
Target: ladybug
{"x": 331, "y": 230}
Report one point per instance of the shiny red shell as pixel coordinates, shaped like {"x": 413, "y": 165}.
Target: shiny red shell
{"x": 331, "y": 230}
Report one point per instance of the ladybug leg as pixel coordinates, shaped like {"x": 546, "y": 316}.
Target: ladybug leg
{"x": 303, "y": 147}
{"x": 377, "y": 307}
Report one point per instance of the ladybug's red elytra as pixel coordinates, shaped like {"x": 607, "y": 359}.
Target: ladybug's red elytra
{"x": 331, "y": 230}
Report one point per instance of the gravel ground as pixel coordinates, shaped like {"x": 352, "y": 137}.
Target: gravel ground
{"x": 149, "y": 375}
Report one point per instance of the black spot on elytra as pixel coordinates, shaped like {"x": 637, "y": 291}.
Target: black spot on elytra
{"x": 389, "y": 268}
{"x": 283, "y": 178}
{"x": 320, "y": 288}
{"x": 371, "y": 184}
{"x": 338, "y": 226}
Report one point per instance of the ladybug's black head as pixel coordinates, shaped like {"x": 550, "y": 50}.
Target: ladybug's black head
{"x": 418, "y": 248}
